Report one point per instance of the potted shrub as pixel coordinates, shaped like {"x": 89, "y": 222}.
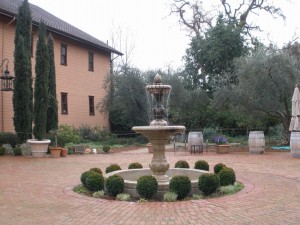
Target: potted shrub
{"x": 39, "y": 145}
{"x": 222, "y": 145}
{"x": 56, "y": 150}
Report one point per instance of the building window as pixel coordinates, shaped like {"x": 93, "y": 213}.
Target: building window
{"x": 91, "y": 61}
{"x": 64, "y": 103}
{"x": 63, "y": 54}
{"x": 91, "y": 105}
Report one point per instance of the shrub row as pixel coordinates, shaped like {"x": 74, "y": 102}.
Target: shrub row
{"x": 115, "y": 167}
{"x": 147, "y": 186}
{"x": 94, "y": 181}
{"x": 199, "y": 165}
{"x": 17, "y": 150}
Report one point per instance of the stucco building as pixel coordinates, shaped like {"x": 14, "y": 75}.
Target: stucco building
{"x": 82, "y": 62}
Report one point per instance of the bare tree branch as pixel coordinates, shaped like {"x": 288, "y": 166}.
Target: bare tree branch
{"x": 197, "y": 19}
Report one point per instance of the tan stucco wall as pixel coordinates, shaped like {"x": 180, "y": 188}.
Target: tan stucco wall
{"x": 74, "y": 79}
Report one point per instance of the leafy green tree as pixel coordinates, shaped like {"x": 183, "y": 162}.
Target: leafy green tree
{"x": 127, "y": 105}
{"x": 266, "y": 83}
{"x": 52, "y": 111}
{"x": 23, "y": 94}
{"x": 210, "y": 56}
{"x": 41, "y": 84}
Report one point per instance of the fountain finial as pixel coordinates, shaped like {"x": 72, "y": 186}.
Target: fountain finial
{"x": 157, "y": 79}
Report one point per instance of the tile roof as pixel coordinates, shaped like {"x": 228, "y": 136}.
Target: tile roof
{"x": 54, "y": 24}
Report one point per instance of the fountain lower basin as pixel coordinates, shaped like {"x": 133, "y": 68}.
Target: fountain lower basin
{"x": 158, "y": 137}
{"x": 131, "y": 176}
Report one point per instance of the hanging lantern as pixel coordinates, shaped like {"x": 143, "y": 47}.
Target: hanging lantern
{"x": 6, "y": 79}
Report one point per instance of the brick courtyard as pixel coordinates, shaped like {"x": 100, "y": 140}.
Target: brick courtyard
{"x": 39, "y": 191}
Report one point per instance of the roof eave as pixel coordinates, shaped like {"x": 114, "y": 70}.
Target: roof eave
{"x": 12, "y": 15}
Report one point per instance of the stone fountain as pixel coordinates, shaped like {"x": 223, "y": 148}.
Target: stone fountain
{"x": 158, "y": 134}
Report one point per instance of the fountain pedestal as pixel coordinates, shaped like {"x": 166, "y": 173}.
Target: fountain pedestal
{"x": 159, "y": 164}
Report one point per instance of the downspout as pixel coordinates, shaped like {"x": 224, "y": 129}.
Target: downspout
{"x": 2, "y": 56}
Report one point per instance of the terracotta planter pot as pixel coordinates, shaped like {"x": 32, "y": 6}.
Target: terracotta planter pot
{"x": 223, "y": 149}
{"x": 55, "y": 151}
{"x": 64, "y": 152}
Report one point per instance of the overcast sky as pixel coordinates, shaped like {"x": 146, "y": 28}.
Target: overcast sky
{"x": 158, "y": 39}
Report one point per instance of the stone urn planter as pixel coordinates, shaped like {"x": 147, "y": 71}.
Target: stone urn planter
{"x": 223, "y": 149}
{"x": 39, "y": 148}
{"x": 55, "y": 151}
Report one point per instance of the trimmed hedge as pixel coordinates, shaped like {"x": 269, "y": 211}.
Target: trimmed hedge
{"x": 147, "y": 186}
{"x": 97, "y": 170}
{"x": 2, "y": 150}
{"x": 17, "y": 151}
{"x": 218, "y": 167}
{"x": 94, "y": 182}
{"x": 181, "y": 185}
{"x": 182, "y": 164}
{"x": 227, "y": 176}
{"x": 8, "y": 138}
{"x": 208, "y": 183}
{"x": 84, "y": 175}
{"x": 106, "y": 148}
{"x": 201, "y": 165}
{"x": 114, "y": 185}
{"x": 135, "y": 165}
{"x": 112, "y": 167}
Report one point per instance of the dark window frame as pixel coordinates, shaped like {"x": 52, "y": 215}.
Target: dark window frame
{"x": 92, "y": 105}
{"x": 64, "y": 103}
{"x": 91, "y": 61}
{"x": 63, "y": 54}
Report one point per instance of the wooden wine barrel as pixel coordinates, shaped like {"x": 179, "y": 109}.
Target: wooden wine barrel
{"x": 295, "y": 144}
{"x": 195, "y": 138}
{"x": 256, "y": 142}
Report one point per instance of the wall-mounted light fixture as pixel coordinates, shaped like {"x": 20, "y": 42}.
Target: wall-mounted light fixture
{"x": 6, "y": 78}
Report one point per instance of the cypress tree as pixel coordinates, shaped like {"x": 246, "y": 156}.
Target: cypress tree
{"x": 22, "y": 120}
{"x": 52, "y": 115}
{"x": 23, "y": 94}
{"x": 41, "y": 85}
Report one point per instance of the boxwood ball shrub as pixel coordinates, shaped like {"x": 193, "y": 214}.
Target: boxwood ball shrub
{"x": 112, "y": 167}
{"x": 84, "y": 175}
{"x": 227, "y": 177}
{"x": 182, "y": 164}
{"x": 97, "y": 170}
{"x": 135, "y": 165}
{"x": 114, "y": 185}
{"x": 208, "y": 183}
{"x": 94, "y": 182}
{"x": 106, "y": 148}
{"x": 181, "y": 185}
{"x": 218, "y": 167}
{"x": 146, "y": 186}
{"x": 2, "y": 150}
{"x": 201, "y": 165}
{"x": 17, "y": 151}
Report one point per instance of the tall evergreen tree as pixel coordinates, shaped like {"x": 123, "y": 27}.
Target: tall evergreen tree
{"x": 23, "y": 94}
{"x": 41, "y": 85}
{"x": 22, "y": 112}
{"x": 52, "y": 116}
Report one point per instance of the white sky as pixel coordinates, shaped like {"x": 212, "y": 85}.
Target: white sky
{"x": 157, "y": 37}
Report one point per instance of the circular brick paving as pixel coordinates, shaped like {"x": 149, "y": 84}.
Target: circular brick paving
{"x": 39, "y": 191}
